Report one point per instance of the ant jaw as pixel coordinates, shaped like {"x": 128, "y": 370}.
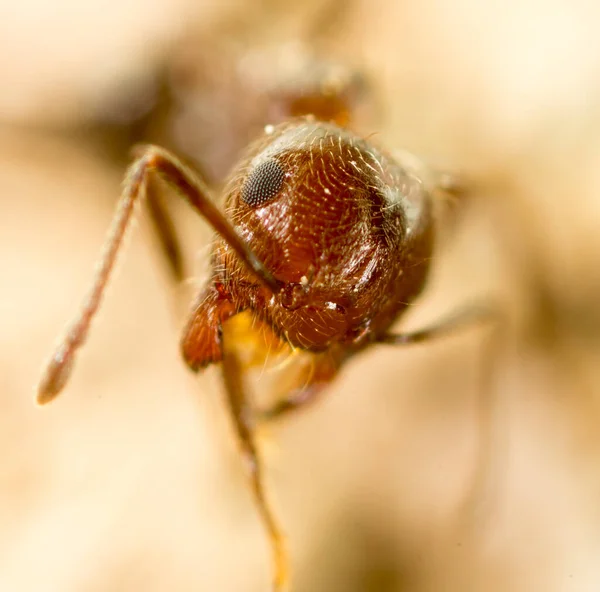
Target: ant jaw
{"x": 201, "y": 341}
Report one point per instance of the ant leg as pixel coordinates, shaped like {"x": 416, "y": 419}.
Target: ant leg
{"x": 463, "y": 318}
{"x": 488, "y": 435}
{"x": 151, "y": 159}
{"x": 242, "y": 418}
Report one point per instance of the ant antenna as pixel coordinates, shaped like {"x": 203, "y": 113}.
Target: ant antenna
{"x": 151, "y": 159}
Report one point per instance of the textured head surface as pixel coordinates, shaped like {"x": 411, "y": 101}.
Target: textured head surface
{"x": 344, "y": 226}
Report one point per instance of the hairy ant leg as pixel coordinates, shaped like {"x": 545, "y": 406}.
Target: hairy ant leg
{"x": 241, "y": 414}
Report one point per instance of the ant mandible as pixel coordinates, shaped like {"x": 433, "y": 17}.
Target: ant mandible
{"x": 323, "y": 241}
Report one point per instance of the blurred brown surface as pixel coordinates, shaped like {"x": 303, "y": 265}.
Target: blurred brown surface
{"x": 131, "y": 481}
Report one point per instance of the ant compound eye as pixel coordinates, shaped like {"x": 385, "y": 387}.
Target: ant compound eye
{"x": 263, "y": 183}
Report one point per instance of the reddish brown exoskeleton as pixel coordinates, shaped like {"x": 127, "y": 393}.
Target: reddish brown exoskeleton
{"x": 322, "y": 241}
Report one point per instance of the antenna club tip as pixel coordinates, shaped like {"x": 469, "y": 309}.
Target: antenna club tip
{"x": 54, "y": 379}
{"x": 45, "y": 395}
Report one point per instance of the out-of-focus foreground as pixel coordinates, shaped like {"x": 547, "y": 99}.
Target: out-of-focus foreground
{"x": 131, "y": 479}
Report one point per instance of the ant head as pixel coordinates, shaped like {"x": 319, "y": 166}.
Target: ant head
{"x": 335, "y": 220}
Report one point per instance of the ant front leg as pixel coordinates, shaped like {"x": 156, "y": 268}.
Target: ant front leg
{"x": 241, "y": 414}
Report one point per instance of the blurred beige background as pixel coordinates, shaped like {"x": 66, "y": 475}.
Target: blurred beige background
{"x": 131, "y": 481}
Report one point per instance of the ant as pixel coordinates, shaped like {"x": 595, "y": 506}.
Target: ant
{"x": 322, "y": 242}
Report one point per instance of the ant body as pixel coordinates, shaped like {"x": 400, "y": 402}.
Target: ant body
{"x": 322, "y": 243}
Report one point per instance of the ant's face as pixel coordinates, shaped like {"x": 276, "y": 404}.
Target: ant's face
{"x": 330, "y": 216}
